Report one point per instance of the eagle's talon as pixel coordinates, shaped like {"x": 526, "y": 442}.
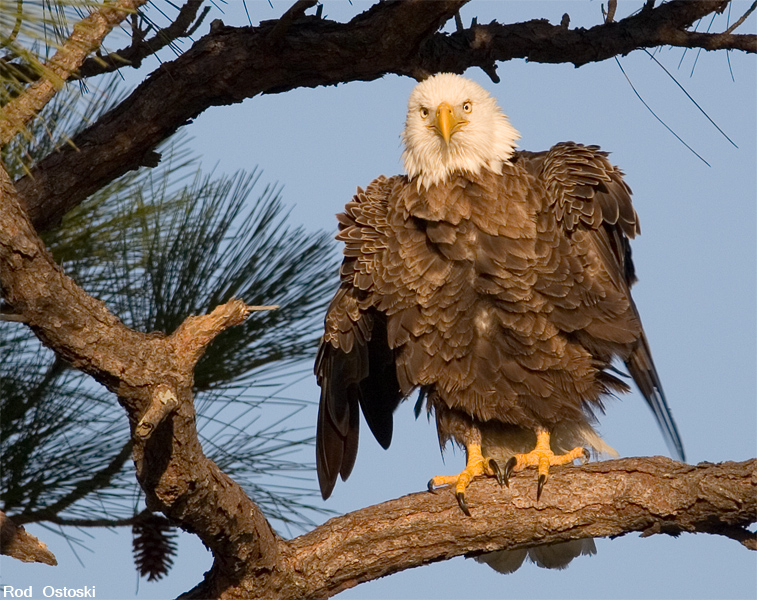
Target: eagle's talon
{"x": 494, "y": 466}
{"x": 431, "y": 487}
{"x": 476, "y": 466}
{"x": 509, "y": 466}
{"x": 462, "y": 503}
{"x": 586, "y": 456}
{"x": 540, "y": 486}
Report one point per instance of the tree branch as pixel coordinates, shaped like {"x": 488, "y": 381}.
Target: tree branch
{"x": 231, "y": 64}
{"x": 88, "y": 34}
{"x": 742, "y": 18}
{"x": 651, "y": 495}
{"x": 17, "y": 543}
{"x": 225, "y": 67}
{"x": 178, "y": 479}
{"x": 609, "y": 499}
{"x": 183, "y": 25}
{"x": 124, "y": 522}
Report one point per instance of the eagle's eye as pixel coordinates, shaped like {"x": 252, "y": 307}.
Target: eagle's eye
{"x": 424, "y": 112}
{"x": 467, "y": 106}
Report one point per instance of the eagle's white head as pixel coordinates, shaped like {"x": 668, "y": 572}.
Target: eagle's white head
{"x": 453, "y": 125}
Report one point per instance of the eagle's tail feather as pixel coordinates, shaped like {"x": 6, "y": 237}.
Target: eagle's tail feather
{"x": 641, "y": 367}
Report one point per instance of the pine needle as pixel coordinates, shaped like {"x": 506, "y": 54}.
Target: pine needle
{"x": 622, "y": 70}
{"x": 669, "y": 74}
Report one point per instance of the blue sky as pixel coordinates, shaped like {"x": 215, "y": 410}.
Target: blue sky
{"x": 696, "y": 261}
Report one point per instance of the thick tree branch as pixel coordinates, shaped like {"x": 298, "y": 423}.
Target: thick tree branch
{"x": 87, "y": 36}
{"x": 231, "y": 64}
{"x": 540, "y": 41}
{"x": 651, "y": 495}
{"x": 178, "y": 479}
{"x": 648, "y": 495}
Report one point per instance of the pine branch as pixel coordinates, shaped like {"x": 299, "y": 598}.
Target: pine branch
{"x": 182, "y": 26}
{"x": 243, "y": 66}
{"x": 170, "y": 463}
{"x": 208, "y": 241}
{"x": 124, "y": 522}
{"x": 88, "y": 34}
{"x": 99, "y": 480}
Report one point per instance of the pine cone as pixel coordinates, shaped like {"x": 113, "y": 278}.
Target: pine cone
{"x": 154, "y": 545}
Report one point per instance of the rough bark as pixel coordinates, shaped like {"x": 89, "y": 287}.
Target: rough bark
{"x": 17, "y": 543}
{"x": 651, "y": 495}
{"x": 231, "y": 64}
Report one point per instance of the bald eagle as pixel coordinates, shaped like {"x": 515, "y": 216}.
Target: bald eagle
{"x": 496, "y": 282}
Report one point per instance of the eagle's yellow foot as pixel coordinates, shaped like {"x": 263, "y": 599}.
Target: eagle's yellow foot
{"x": 476, "y": 466}
{"x": 542, "y": 457}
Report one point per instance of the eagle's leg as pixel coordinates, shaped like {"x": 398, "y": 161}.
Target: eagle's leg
{"x": 542, "y": 457}
{"x": 476, "y": 465}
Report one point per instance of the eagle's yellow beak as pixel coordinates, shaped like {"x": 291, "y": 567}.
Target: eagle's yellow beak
{"x": 446, "y": 122}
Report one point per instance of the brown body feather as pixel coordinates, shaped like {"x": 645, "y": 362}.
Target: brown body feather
{"x": 505, "y": 296}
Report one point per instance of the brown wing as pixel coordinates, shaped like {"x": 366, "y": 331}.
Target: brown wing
{"x": 355, "y": 366}
{"x": 593, "y": 204}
